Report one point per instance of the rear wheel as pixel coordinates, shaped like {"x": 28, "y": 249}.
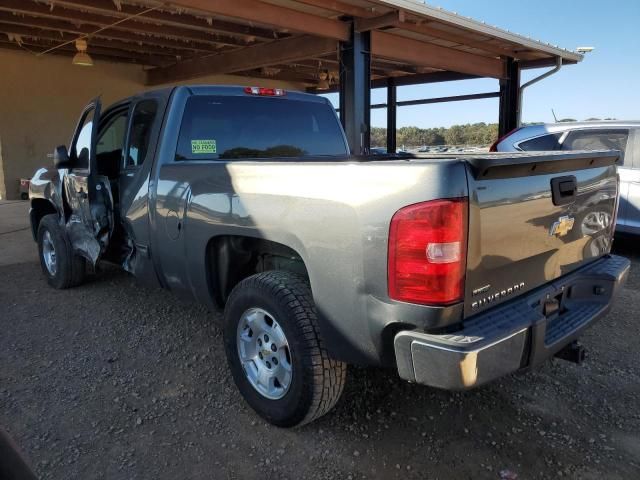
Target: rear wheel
{"x": 62, "y": 268}
{"x": 275, "y": 352}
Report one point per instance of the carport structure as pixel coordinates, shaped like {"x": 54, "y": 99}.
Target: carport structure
{"x": 348, "y": 46}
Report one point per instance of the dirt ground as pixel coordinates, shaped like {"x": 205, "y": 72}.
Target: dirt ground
{"x": 112, "y": 380}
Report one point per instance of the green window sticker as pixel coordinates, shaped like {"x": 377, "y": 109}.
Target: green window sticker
{"x": 203, "y": 146}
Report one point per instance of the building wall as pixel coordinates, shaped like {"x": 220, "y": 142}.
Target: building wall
{"x": 41, "y": 99}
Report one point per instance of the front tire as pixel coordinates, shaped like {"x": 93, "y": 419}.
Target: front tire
{"x": 62, "y": 268}
{"x": 275, "y": 352}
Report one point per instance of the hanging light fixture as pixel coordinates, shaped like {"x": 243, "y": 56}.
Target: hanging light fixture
{"x": 82, "y": 58}
{"x": 323, "y": 81}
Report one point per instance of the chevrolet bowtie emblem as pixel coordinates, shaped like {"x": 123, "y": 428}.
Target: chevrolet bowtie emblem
{"x": 562, "y": 226}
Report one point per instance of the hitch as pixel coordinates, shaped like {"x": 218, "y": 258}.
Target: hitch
{"x": 574, "y": 352}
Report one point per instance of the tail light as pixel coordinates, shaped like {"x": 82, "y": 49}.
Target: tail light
{"x": 265, "y": 92}
{"x": 494, "y": 145}
{"x": 427, "y": 252}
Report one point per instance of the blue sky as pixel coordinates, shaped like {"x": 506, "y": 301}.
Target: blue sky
{"x": 604, "y": 84}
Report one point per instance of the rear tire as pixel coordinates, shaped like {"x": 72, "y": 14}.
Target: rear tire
{"x": 316, "y": 381}
{"x": 60, "y": 265}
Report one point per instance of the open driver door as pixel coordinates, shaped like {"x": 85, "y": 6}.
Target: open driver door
{"x": 88, "y": 199}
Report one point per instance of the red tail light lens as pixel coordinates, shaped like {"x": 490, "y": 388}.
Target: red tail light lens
{"x": 265, "y": 92}
{"x": 494, "y": 145}
{"x": 427, "y": 252}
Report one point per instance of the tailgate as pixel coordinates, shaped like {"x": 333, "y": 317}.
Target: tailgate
{"x": 534, "y": 218}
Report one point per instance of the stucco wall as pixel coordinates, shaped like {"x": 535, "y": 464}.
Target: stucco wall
{"x": 41, "y": 99}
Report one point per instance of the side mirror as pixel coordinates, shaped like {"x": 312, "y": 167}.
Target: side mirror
{"x": 61, "y": 157}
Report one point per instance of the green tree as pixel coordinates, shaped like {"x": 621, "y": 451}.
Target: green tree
{"x": 378, "y": 137}
{"x": 455, "y": 135}
{"x": 477, "y": 134}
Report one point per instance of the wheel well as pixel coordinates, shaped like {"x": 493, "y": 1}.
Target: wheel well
{"x": 232, "y": 258}
{"x": 39, "y": 208}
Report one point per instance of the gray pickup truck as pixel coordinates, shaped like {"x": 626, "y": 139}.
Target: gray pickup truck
{"x": 455, "y": 270}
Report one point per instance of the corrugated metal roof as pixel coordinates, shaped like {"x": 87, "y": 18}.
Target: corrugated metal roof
{"x": 451, "y": 18}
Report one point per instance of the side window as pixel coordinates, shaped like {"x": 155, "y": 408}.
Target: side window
{"x": 545, "y": 142}
{"x": 144, "y": 115}
{"x": 111, "y": 138}
{"x": 110, "y": 143}
{"x": 81, "y": 148}
{"x": 597, "y": 140}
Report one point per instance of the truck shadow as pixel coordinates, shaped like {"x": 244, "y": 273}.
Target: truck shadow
{"x": 627, "y": 245}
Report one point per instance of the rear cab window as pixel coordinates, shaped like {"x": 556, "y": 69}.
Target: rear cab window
{"x": 216, "y": 127}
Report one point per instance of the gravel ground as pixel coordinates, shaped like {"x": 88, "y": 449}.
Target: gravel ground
{"x": 112, "y": 380}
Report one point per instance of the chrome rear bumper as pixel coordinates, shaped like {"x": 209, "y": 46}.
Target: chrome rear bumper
{"x": 513, "y": 335}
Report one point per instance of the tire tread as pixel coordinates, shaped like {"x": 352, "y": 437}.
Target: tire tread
{"x": 72, "y": 267}
{"x": 328, "y": 375}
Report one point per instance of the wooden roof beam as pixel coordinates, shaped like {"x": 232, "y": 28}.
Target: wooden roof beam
{"x": 424, "y": 78}
{"x": 331, "y": 64}
{"x": 61, "y": 37}
{"x": 373, "y": 23}
{"x": 380, "y": 66}
{"x": 417, "y": 79}
{"x": 285, "y": 74}
{"x": 62, "y": 26}
{"x": 279, "y": 51}
{"x": 414, "y": 52}
{"x": 340, "y": 7}
{"x": 425, "y": 29}
{"x": 273, "y": 15}
{"x": 66, "y": 53}
{"x": 107, "y": 7}
{"x": 543, "y": 62}
{"x": 41, "y": 10}
{"x": 96, "y": 52}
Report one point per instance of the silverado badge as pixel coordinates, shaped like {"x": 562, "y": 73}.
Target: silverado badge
{"x": 562, "y": 226}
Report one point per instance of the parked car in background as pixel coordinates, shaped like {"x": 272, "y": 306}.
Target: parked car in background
{"x": 24, "y": 188}
{"x": 618, "y": 135}
{"x": 378, "y": 151}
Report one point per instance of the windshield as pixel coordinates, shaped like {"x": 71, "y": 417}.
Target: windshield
{"x": 232, "y": 127}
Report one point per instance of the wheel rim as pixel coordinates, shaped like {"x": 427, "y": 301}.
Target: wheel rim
{"x": 264, "y": 353}
{"x": 49, "y": 253}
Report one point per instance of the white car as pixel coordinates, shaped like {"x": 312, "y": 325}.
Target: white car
{"x": 599, "y": 135}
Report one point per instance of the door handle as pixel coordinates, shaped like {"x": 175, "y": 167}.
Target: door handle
{"x": 564, "y": 190}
